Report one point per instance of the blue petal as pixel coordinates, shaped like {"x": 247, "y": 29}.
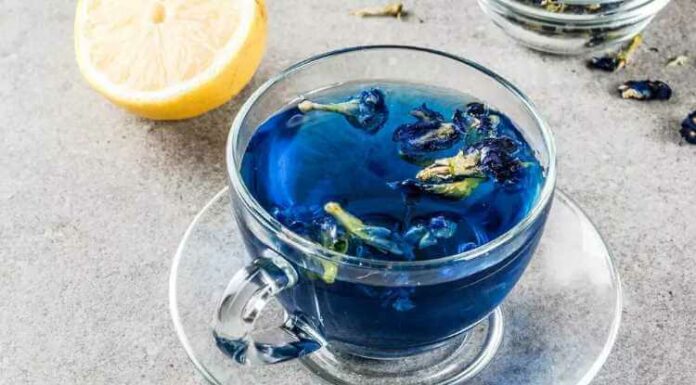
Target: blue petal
{"x": 425, "y": 114}
{"x": 372, "y": 111}
{"x": 645, "y": 90}
{"x": 414, "y": 234}
{"x": 497, "y": 158}
{"x": 429, "y": 239}
{"x": 428, "y": 133}
{"x": 442, "y": 227}
{"x": 688, "y": 128}
{"x": 605, "y": 63}
{"x": 367, "y": 110}
{"x": 403, "y": 303}
{"x": 477, "y": 120}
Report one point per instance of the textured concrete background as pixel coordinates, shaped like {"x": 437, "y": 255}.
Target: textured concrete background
{"x": 93, "y": 201}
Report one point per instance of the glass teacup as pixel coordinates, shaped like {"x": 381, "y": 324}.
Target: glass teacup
{"x": 347, "y": 315}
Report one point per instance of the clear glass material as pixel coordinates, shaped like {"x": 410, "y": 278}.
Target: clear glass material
{"x": 560, "y": 320}
{"x": 572, "y": 33}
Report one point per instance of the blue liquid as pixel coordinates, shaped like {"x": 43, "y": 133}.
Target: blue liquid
{"x": 295, "y": 163}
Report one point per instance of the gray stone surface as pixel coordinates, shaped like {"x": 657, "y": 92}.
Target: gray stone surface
{"x": 93, "y": 200}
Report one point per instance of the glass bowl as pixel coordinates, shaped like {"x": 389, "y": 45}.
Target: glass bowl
{"x": 574, "y": 26}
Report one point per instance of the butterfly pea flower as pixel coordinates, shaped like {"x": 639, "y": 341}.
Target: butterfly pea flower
{"x": 458, "y": 176}
{"x": 447, "y": 169}
{"x": 477, "y": 121}
{"x": 616, "y": 61}
{"x": 297, "y": 218}
{"x": 378, "y": 237}
{"x": 367, "y": 110}
{"x": 645, "y": 90}
{"x": 688, "y": 128}
{"x": 491, "y": 157}
{"x": 450, "y": 190}
{"x": 428, "y": 133}
{"x": 497, "y": 158}
{"x": 426, "y": 235}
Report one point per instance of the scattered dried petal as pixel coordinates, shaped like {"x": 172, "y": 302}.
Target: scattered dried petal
{"x": 688, "y": 128}
{"x": 390, "y": 10}
{"x": 616, "y": 61}
{"x": 367, "y": 111}
{"x": 678, "y": 61}
{"x": 645, "y": 90}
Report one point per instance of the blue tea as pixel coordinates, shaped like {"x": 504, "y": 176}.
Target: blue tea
{"x": 396, "y": 172}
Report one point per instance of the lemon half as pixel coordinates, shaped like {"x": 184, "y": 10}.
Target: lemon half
{"x": 169, "y": 59}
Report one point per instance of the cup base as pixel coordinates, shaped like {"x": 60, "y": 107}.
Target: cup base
{"x": 561, "y": 319}
{"x": 457, "y": 360}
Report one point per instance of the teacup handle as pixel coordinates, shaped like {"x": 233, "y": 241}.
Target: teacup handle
{"x": 246, "y": 295}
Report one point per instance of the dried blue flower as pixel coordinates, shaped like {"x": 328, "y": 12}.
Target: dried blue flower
{"x": 367, "y": 111}
{"x": 490, "y": 157}
{"x": 450, "y": 190}
{"x": 462, "y": 165}
{"x": 426, "y": 235}
{"x": 478, "y": 121}
{"x": 645, "y": 90}
{"x": 297, "y": 218}
{"x": 429, "y": 133}
{"x": 618, "y": 60}
{"x": 378, "y": 237}
{"x": 497, "y": 158}
{"x": 456, "y": 177}
{"x": 688, "y": 128}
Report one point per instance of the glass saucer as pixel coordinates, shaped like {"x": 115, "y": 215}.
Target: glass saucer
{"x": 560, "y": 321}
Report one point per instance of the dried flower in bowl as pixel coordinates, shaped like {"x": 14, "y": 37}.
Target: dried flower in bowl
{"x": 478, "y": 121}
{"x": 367, "y": 110}
{"x": 428, "y": 133}
{"x": 458, "y": 176}
{"x": 380, "y": 238}
{"x": 645, "y": 90}
{"x": 428, "y": 234}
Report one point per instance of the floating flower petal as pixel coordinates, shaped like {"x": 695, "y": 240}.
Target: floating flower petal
{"x": 426, "y": 235}
{"x": 450, "y": 190}
{"x": 367, "y": 111}
{"x": 429, "y": 133}
{"x": 477, "y": 121}
{"x": 378, "y": 237}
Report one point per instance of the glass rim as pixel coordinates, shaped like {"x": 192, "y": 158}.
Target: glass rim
{"x": 306, "y": 246}
{"x": 634, "y": 10}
